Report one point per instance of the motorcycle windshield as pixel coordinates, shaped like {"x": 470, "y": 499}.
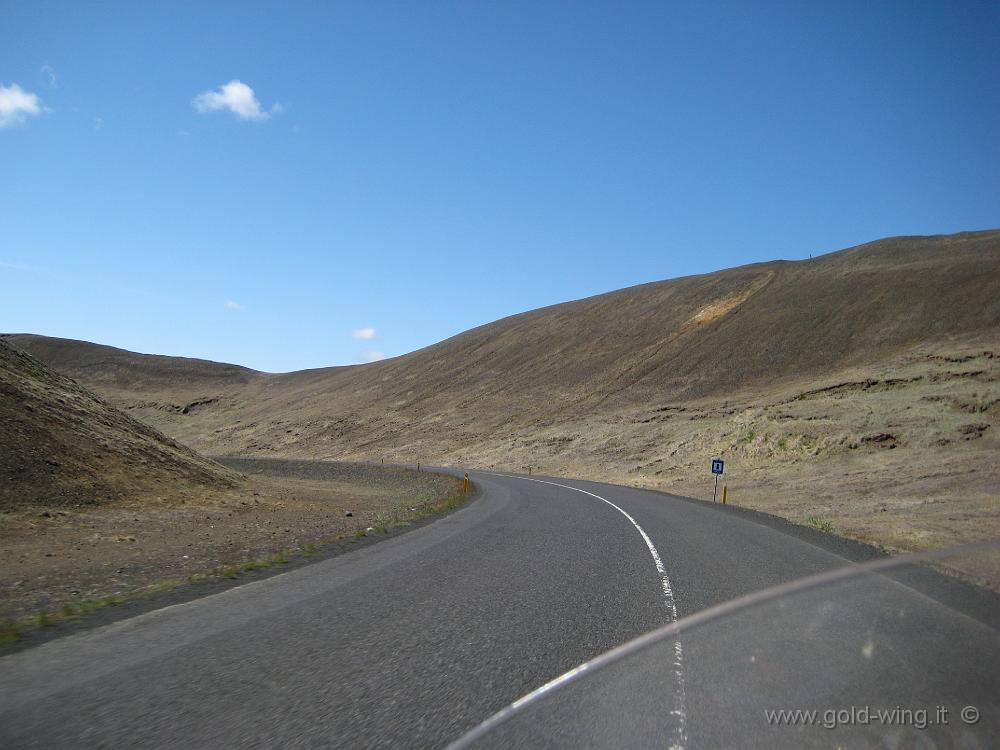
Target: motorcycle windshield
{"x": 899, "y": 652}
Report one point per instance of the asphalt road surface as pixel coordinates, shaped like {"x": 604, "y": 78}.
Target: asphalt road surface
{"x": 415, "y": 640}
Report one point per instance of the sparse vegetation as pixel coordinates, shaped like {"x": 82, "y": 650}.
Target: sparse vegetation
{"x": 9, "y": 632}
{"x": 823, "y": 524}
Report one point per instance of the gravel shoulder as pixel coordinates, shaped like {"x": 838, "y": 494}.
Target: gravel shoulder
{"x": 61, "y": 560}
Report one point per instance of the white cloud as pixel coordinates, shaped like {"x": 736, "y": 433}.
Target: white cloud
{"x": 98, "y": 123}
{"x": 238, "y": 98}
{"x": 366, "y": 334}
{"x": 372, "y": 355}
{"x": 17, "y": 105}
{"x": 233, "y": 305}
{"x": 49, "y": 72}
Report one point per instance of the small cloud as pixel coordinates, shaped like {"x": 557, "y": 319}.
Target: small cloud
{"x": 372, "y": 355}
{"x": 50, "y": 74}
{"x": 366, "y": 334}
{"x": 238, "y": 98}
{"x": 183, "y": 134}
{"x": 233, "y": 305}
{"x": 98, "y": 123}
{"x": 17, "y": 105}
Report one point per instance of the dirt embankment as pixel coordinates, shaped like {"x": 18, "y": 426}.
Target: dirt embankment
{"x": 63, "y": 446}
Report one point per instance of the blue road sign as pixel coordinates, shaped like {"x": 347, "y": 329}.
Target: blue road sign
{"x": 718, "y": 465}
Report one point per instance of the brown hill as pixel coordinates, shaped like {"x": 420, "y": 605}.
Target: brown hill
{"x": 712, "y": 335}
{"x": 96, "y": 506}
{"x": 873, "y": 371}
{"x": 62, "y": 445}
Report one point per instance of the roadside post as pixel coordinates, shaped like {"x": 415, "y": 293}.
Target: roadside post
{"x": 718, "y": 466}
{"x": 465, "y": 487}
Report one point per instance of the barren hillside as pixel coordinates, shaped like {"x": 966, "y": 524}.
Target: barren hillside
{"x": 653, "y": 345}
{"x": 61, "y": 445}
{"x": 96, "y": 504}
{"x": 843, "y": 382}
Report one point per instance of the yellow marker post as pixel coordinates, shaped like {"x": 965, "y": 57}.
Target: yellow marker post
{"x": 724, "y": 488}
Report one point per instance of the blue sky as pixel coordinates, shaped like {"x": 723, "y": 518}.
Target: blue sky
{"x": 418, "y": 169}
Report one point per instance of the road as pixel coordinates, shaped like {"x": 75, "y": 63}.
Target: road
{"x": 415, "y": 640}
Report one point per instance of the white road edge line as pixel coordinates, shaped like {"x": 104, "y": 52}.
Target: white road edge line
{"x": 668, "y": 599}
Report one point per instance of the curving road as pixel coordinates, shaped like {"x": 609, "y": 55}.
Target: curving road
{"x": 413, "y": 641}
